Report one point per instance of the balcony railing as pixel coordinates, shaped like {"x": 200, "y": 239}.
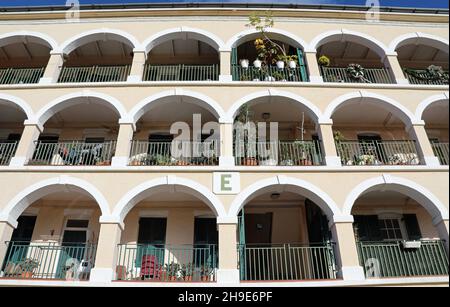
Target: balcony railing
{"x": 26, "y": 260}
{"x": 268, "y": 74}
{"x": 395, "y": 259}
{"x": 7, "y": 151}
{"x": 21, "y": 75}
{"x": 175, "y": 153}
{"x": 441, "y": 150}
{"x": 371, "y": 75}
{"x": 282, "y": 153}
{"x": 181, "y": 72}
{"x": 378, "y": 153}
{"x": 167, "y": 263}
{"x": 94, "y": 74}
{"x": 286, "y": 262}
{"x": 423, "y": 76}
{"x": 73, "y": 153}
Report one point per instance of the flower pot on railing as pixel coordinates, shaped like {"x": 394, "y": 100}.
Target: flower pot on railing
{"x": 245, "y": 64}
{"x": 257, "y": 64}
{"x": 250, "y": 162}
{"x": 292, "y": 64}
{"x": 305, "y": 162}
{"x": 280, "y": 65}
{"x": 270, "y": 79}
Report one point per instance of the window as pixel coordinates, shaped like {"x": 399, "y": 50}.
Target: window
{"x": 391, "y": 229}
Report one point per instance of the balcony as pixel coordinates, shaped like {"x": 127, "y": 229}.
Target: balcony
{"x": 276, "y": 262}
{"x": 268, "y": 74}
{"x": 342, "y": 74}
{"x": 21, "y": 75}
{"x": 396, "y": 259}
{"x": 181, "y": 72}
{"x": 353, "y": 153}
{"x": 423, "y": 76}
{"x": 7, "y": 151}
{"x": 175, "y": 153}
{"x": 441, "y": 150}
{"x": 25, "y": 260}
{"x": 282, "y": 153}
{"x": 117, "y": 73}
{"x": 167, "y": 263}
{"x": 73, "y": 153}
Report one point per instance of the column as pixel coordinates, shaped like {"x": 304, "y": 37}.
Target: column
{"x": 137, "y": 67}
{"x": 123, "y": 145}
{"x": 226, "y": 145}
{"x": 225, "y": 66}
{"x": 346, "y": 252}
{"x": 27, "y": 144}
{"x": 395, "y": 69}
{"x": 426, "y": 153}
{"x": 228, "y": 261}
{"x": 313, "y": 67}
{"x": 442, "y": 228}
{"x": 6, "y": 231}
{"x": 106, "y": 257}
{"x": 53, "y": 68}
{"x": 328, "y": 144}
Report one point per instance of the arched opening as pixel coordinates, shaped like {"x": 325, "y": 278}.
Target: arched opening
{"x": 170, "y": 235}
{"x": 12, "y": 118}
{"x": 182, "y": 56}
{"x": 369, "y": 131}
{"x": 176, "y": 131}
{"x": 79, "y": 131}
{"x": 270, "y": 57}
{"x": 97, "y": 58}
{"x": 352, "y": 59}
{"x": 284, "y": 235}
{"x": 437, "y": 127}
{"x": 276, "y": 131}
{"x": 23, "y": 59}
{"x": 56, "y": 235}
{"x": 424, "y": 60}
{"x": 396, "y": 236}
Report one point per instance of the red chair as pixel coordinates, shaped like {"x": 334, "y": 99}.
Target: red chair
{"x": 149, "y": 267}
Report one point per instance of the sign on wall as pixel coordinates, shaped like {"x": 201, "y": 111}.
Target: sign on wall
{"x": 227, "y": 183}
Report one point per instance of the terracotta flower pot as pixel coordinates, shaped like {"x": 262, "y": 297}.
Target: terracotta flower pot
{"x": 205, "y": 278}
{"x": 250, "y": 162}
{"x": 27, "y": 275}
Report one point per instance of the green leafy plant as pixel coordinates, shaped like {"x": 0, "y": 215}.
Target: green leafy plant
{"x": 324, "y": 61}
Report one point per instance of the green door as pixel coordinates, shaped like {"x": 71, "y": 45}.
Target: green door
{"x": 206, "y": 239}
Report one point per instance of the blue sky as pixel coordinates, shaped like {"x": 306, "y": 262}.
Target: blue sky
{"x": 402, "y": 3}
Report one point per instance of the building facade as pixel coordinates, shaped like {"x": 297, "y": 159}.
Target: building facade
{"x": 92, "y": 192}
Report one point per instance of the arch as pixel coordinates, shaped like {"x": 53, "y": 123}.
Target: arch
{"x": 28, "y": 36}
{"x": 183, "y": 33}
{"x": 428, "y": 102}
{"x": 45, "y": 187}
{"x": 62, "y": 102}
{"x": 418, "y": 37}
{"x": 352, "y": 36}
{"x": 178, "y": 184}
{"x": 282, "y": 35}
{"x": 313, "y": 110}
{"x": 404, "y": 186}
{"x": 288, "y": 184}
{"x": 204, "y": 101}
{"x": 399, "y": 110}
{"x": 21, "y": 104}
{"x": 99, "y": 34}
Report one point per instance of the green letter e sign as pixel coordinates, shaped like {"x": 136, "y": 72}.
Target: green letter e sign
{"x": 225, "y": 183}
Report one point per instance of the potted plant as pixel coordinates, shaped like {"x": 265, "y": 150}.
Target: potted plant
{"x": 187, "y": 272}
{"x": 206, "y": 273}
{"x": 27, "y": 267}
{"x": 245, "y": 63}
{"x": 244, "y": 116}
{"x": 324, "y": 61}
{"x": 257, "y": 63}
{"x": 173, "y": 271}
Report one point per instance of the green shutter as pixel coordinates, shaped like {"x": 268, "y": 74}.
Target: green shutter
{"x": 412, "y": 227}
{"x": 302, "y": 65}
{"x": 242, "y": 257}
{"x": 367, "y": 227}
{"x": 234, "y": 64}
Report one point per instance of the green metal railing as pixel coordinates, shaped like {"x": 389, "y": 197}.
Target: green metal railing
{"x": 175, "y": 153}
{"x": 7, "y": 151}
{"x": 423, "y": 76}
{"x": 371, "y": 75}
{"x": 181, "y": 72}
{"x": 378, "y": 153}
{"x": 84, "y": 74}
{"x": 281, "y": 153}
{"x": 73, "y": 153}
{"x": 392, "y": 259}
{"x": 286, "y": 262}
{"x": 267, "y": 73}
{"x": 25, "y": 260}
{"x": 21, "y": 75}
{"x": 441, "y": 150}
{"x": 167, "y": 263}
